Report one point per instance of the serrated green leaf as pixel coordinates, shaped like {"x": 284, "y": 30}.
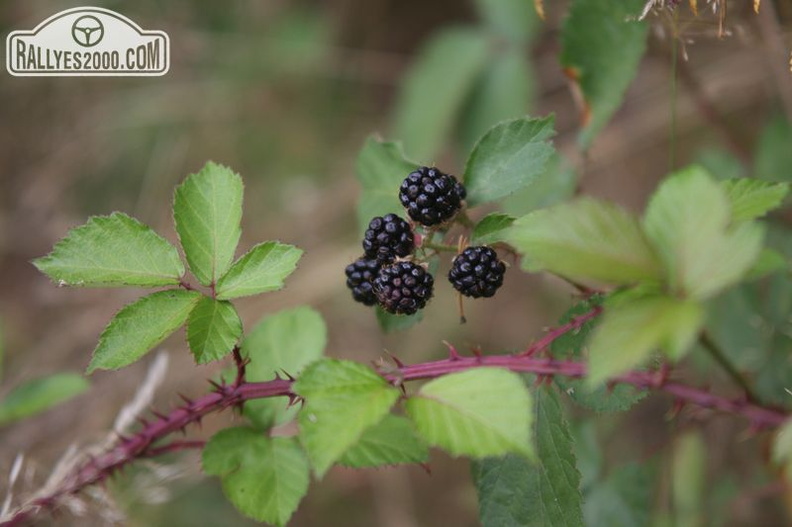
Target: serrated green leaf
{"x": 436, "y": 87}
{"x": 263, "y": 268}
{"x": 381, "y": 167}
{"x": 265, "y": 478}
{"x": 509, "y": 157}
{"x": 504, "y": 90}
{"x": 515, "y": 493}
{"x": 585, "y": 239}
{"x": 140, "y": 326}
{"x": 392, "y": 441}
{"x": 687, "y": 221}
{"x": 515, "y": 20}
{"x": 773, "y": 157}
{"x": 632, "y": 330}
{"x": 213, "y": 329}
{"x": 36, "y": 395}
{"x": 556, "y": 184}
{"x": 286, "y": 341}
{"x": 573, "y": 345}
{"x": 476, "y": 413}
{"x": 601, "y": 50}
{"x": 342, "y": 400}
{"x": 491, "y": 229}
{"x": 207, "y": 210}
{"x": 623, "y": 500}
{"x": 113, "y": 250}
{"x": 753, "y": 198}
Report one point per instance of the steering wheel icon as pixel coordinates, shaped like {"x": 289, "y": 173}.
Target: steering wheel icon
{"x": 87, "y": 31}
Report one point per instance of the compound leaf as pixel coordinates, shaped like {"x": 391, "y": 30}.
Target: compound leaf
{"x": 265, "y": 478}
{"x": 207, "y": 210}
{"x": 392, "y": 441}
{"x": 113, "y": 250}
{"x": 477, "y": 413}
{"x": 140, "y": 326}
{"x": 263, "y": 268}
{"x": 342, "y": 400}
{"x": 36, "y": 395}
{"x": 213, "y": 329}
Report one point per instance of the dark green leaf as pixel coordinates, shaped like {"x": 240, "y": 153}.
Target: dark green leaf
{"x": 624, "y": 499}
{"x": 389, "y": 322}
{"x": 512, "y": 19}
{"x": 35, "y": 396}
{"x": 509, "y": 157}
{"x": 491, "y": 229}
{"x": 113, "y": 250}
{"x": 773, "y": 158}
{"x": 392, "y": 441}
{"x": 556, "y": 184}
{"x": 213, "y": 329}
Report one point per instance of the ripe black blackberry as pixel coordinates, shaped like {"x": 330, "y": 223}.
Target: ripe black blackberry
{"x": 403, "y": 288}
{"x": 360, "y": 275}
{"x": 431, "y": 197}
{"x": 477, "y": 272}
{"x": 387, "y": 238}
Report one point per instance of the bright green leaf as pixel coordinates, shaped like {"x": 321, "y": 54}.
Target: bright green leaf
{"x": 207, "y": 209}
{"x": 601, "y": 50}
{"x": 585, "y": 239}
{"x": 624, "y": 499}
{"x": 285, "y": 341}
{"x": 263, "y": 268}
{"x": 512, "y": 19}
{"x": 773, "y": 157}
{"x": 476, "y": 413}
{"x": 491, "y": 229}
{"x": 504, "y": 90}
{"x": 381, "y": 168}
{"x": 515, "y": 493}
{"x": 140, "y": 326}
{"x": 342, "y": 400}
{"x": 509, "y": 157}
{"x": 436, "y": 87}
{"x": 753, "y": 198}
{"x": 556, "y": 184}
{"x": 632, "y": 330}
{"x": 113, "y": 250}
{"x": 213, "y": 329}
{"x": 265, "y": 478}
{"x": 37, "y": 395}
{"x": 687, "y": 221}
{"x": 392, "y": 441}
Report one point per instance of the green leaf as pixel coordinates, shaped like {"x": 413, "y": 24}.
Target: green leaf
{"x": 768, "y": 262}
{"x": 687, "y": 221}
{"x": 263, "y": 268}
{"x": 515, "y": 493}
{"x": 140, "y": 326}
{"x": 342, "y": 400}
{"x": 213, "y": 329}
{"x": 37, "y": 395}
{"x": 624, "y": 499}
{"x": 476, "y": 413}
{"x": 381, "y": 167}
{"x": 721, "y": 163}
{"x": 504, "y": 90}
{"x": 773, "y": 157}
{"x": 601, "y": 51}
{"x": 389, "y": 323}
{"x": 782, "y": 449}
{"x": 113, "y": 250}
{"x": 572, "y": 345}
{"x": 585, "y": 239}
{"x": 207, "y": 209}
{"x": 509, "y": 157}
{"x": 286, "y": 341}
{"x": 436, "y": 87}
{"x": 632, "y": 330}
{"x": 265, "y": 478}
{"x": 392, "y": 441}
{"x": 556, "y": 184}
{"x": 753, "y": 198}
{"x": 689, "y": 482}
{"x": 491, "y": 229}
{"x": 513, "y": 19}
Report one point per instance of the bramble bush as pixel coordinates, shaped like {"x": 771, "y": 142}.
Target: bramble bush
{"x": 678, "y": 281}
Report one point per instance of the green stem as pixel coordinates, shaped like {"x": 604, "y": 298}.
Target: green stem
{"x": 439, "y": 247}
{"x": 718, "y": 356}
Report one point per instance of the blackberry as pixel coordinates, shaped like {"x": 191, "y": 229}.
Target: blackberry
{"x": 403, "y": 288}
{"x": 360, "y": 274}
{"x": 387, "y": 238}
{"x": 431, "y": 197}
{"x": 477, "y": 272}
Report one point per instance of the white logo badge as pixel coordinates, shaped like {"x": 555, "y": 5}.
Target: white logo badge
{"x": 87, "y": 41}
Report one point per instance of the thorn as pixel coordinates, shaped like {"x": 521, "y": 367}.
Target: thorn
{"x": 395, "y": 359}
{"x": 453, "y": 354}
{"x": 278, "y": 377}
{"x": 219, "y": 388}
{"x": 477, "y": 352}
{"x": 186, "y": 399}
{"x": 160, "y": 415}
{"x": 426, "y": 468}
{"x": 288, "y": 376}
{"x": 143, "y": 422}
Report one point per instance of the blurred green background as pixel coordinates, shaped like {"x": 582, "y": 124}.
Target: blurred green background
{"x": 286, "y": 93}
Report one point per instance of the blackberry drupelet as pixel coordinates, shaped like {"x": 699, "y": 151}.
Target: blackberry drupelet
{"x": 477, "y": 272}
{"x": 403, "y": 288}
{"x": 431, "y": 197}
{"x": 360, "y": 275}
{"x": 387, "y": 238}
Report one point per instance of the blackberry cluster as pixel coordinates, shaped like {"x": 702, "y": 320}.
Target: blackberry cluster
{"x": 477, "y": 272}
{"x": 360, "y": 275}
{"x": 387, "y": 238}
{"x": 403, "y": 288}
{"x": 431, "y": 197}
